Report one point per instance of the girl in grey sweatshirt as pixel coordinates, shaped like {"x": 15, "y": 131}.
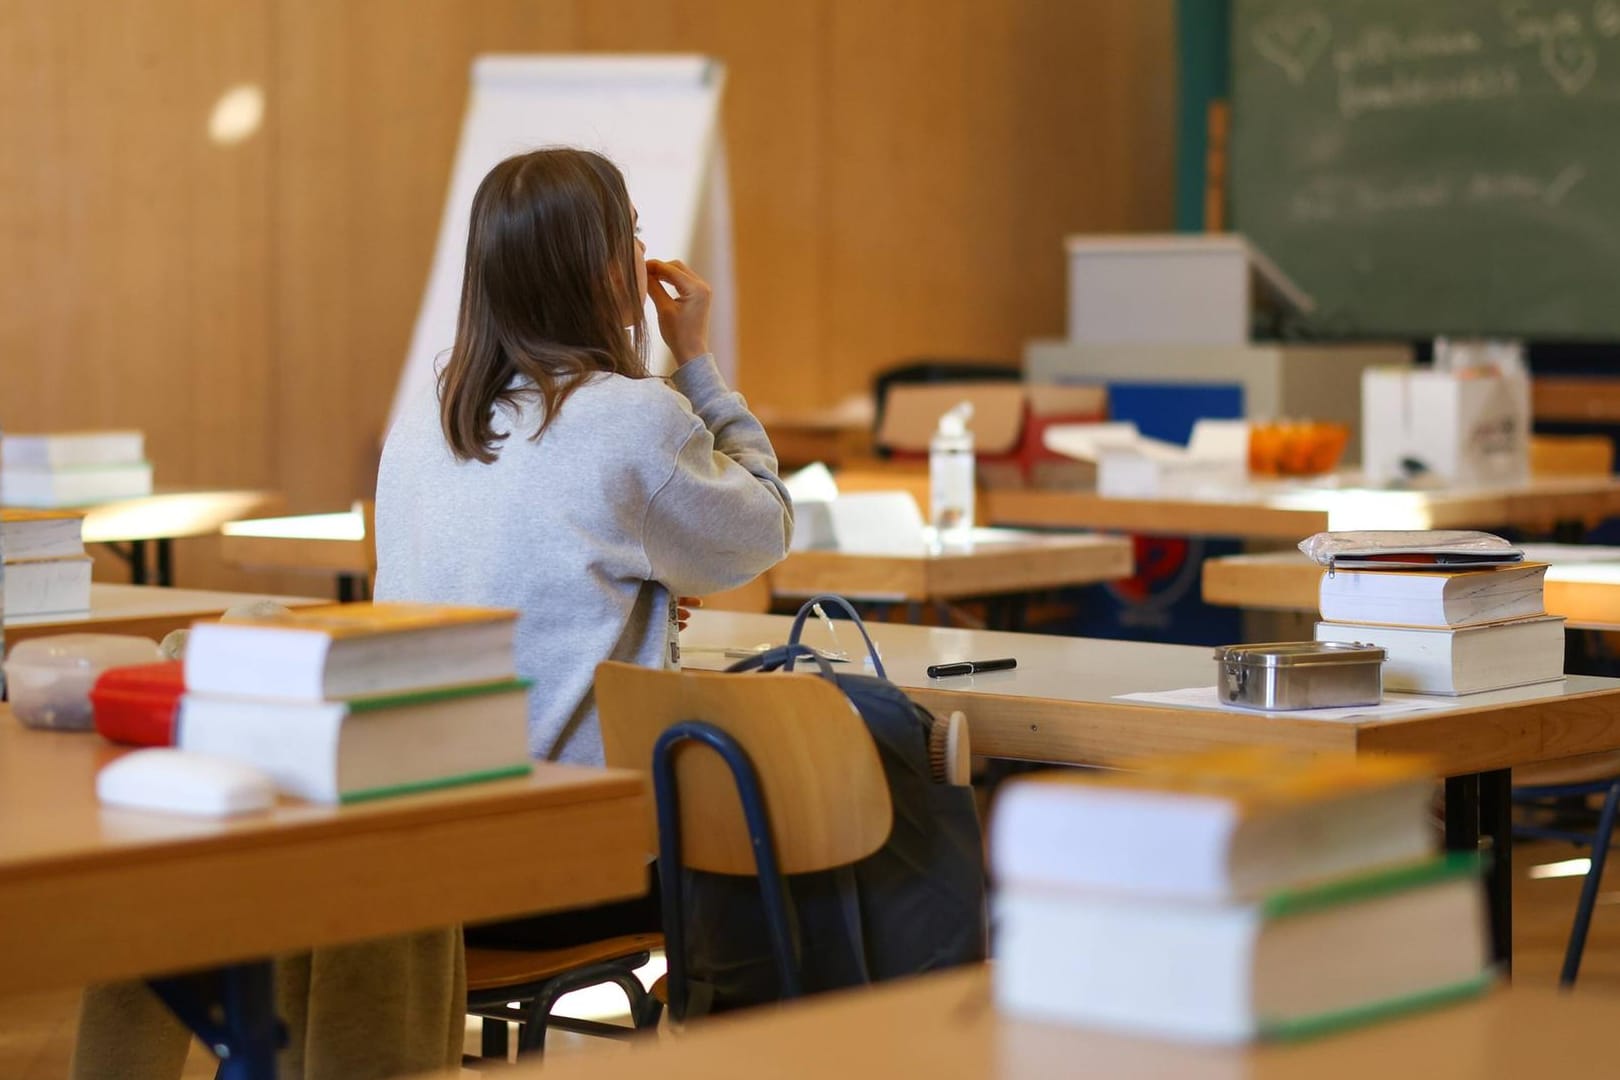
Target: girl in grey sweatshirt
{"x": 550, "y": 474}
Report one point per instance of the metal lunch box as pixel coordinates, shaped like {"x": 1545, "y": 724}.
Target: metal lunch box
{"x": 1300, "y": 674}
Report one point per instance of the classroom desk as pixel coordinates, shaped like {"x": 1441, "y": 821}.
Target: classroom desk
{"x": 89, "y": 895}
{"x": 334, "y": 543}
{"x": 1583, "y": 582}
{"x": 945, "y": 1026}
{"x": 1292, "y": 510}
{"x": 1058, "y": 706}
{"x": 146, "y": 610}
{"x": 834, "y": 436}
{"x": 168, "y": 514}
{"x": 996, "y": 561}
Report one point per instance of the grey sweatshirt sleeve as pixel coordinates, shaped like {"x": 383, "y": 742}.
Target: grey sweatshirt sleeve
{"x": 722, "y": 517}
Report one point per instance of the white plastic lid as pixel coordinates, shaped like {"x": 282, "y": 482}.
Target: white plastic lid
{"x": 954, "y": 420}
{"x": 83, "y": 652}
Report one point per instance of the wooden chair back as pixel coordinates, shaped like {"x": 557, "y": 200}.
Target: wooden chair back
{"x": 824, "y": 788}
{"x": 1571, "y": 455}
{"x": 753, "y": 598}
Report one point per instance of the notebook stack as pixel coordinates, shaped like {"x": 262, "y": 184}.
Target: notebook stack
{"x": 1459, "y": 631}
{"x": 359, "y": 701}
{"x": 45, "y": 567}
{"x": 76, "y": 468}
{"x": 1230, "y": 896}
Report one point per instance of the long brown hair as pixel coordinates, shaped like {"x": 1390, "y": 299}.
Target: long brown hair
{"x": 548, "y": 290}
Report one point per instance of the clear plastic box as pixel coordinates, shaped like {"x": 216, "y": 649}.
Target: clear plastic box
{"x": 48, "y": 679}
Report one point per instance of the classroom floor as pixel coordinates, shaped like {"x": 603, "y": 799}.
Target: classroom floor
{"x": 36, "y": 1030}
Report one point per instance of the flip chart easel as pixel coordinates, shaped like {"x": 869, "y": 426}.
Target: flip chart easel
{"x": 656, "y": 117}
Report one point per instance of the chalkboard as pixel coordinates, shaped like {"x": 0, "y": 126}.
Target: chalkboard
{"x": 1433, "y": 166}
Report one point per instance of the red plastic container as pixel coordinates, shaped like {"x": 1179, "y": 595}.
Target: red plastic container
{"x": 136, "y": 705}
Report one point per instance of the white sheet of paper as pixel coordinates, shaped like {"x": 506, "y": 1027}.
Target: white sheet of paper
{"x": 813, "y": 483}
{"x": 1207, "y": 697}
{"x": 876, "y": 522}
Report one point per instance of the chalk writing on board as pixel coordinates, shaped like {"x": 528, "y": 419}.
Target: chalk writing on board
{"x": 1407, "y": 90}
{"x": 1294, "y": 41}
{"x": 1352, "y": 198}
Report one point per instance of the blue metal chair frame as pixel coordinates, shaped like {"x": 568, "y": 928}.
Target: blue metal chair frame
{"x": 1599, "y": 841}
{"x": 772, "y": 887}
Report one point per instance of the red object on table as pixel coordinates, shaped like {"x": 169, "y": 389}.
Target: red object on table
{"x": 136, "y": 705}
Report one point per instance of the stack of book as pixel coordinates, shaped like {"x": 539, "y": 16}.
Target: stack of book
{"x": 74, "y": 468}
{"x": 46, "y": 571}
{"x": 347, "y": 702}
{"x": 1458, "y": 631}
{"x": 1229, "y": 896}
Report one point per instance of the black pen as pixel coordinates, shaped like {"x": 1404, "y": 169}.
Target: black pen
{"x": 969, "y": 667}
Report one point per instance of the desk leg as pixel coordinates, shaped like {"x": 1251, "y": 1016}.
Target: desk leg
{"x": 1473, "y": 800}
{"x": 165, "y": 561}
{"x": 232, "y": 1010}
{"x": 137, "y": 562}
{"x": 1496, "y": 822}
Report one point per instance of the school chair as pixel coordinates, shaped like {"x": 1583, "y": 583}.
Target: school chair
{"x": 522, "y": 986}
{"x": 757, "y": 776}
{"x": 1543, "y": 794}
{"x": 935, "y": 370}
{"x": 1571, "y": 455}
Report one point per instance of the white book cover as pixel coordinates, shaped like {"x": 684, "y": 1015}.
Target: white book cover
{"x": 73, "y": 449}
{"x": 1228, "y": 973}
{"x": 1466, "y": 660}
{"x": 46, "y": 586}
{"x": 1200, "y": 847}
{"x": 1434, "y": 599}
{"x": 334, "y": 751}
{"x": 76, "y": 486}
{"x": 40, "y": 534}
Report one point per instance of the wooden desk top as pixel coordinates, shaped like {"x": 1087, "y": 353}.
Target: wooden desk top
{"x": 334, "y": 543}
{"x": 944, "y": 1026}
{"x": 89, "y": 894}
{"x": 1058, "y": 704}
{"x": 146, "y": 610}
{"x": 1583, "y": 582}
{"x": 1293, "y": 510}
{"x": 173, "y": 513}
{"x": 998, "y": 561}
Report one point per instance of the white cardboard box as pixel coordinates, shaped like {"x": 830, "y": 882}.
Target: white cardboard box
{"x": 1171, "y": 288}
{"x": 1469, "y": 429}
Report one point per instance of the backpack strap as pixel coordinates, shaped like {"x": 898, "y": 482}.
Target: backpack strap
{"x": 848, "y": 609}
{"x": 782, "y": 658}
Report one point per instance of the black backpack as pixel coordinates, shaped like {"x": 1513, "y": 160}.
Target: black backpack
{"x": 916, "y": 904}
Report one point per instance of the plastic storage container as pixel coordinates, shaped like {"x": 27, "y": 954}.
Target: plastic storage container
{"x": 136, "y": 706}
{"x": 48, "y": 679}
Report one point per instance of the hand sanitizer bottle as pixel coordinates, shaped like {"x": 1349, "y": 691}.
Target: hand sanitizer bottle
{"x": 950, "y": 475}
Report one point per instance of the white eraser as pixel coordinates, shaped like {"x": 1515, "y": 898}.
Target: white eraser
{"x": 184, "y": 782}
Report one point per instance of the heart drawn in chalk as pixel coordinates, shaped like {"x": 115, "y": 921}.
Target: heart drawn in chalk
{"x": 1570, "y": 61}
{"x": 1294, "y": 42}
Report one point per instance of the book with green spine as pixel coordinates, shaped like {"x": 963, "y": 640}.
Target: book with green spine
{"x": 1289, "y": 965}
{"x": 368, "y": 748}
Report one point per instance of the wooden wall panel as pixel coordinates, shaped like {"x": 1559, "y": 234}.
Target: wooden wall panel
{"x": 965, "y": 140}
{"x": 137, "y": 287}
{"x": 903, "y": 172}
